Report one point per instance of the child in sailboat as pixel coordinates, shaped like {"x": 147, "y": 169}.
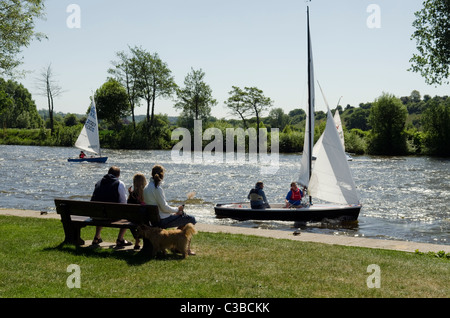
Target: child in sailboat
{"x": 294, "y": 196}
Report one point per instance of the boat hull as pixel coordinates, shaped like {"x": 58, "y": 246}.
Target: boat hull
{"x": 313, "y": 213}
{"x": 90, "y": 159}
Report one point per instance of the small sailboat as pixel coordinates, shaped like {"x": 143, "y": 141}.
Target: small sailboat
{"x": 329, "y": 180}
{"x": 88, "y": 139}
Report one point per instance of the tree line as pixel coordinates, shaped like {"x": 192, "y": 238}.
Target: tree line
{"x": 386, "y": 126}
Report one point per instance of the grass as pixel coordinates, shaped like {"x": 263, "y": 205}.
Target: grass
{"x": 34, "y": 264}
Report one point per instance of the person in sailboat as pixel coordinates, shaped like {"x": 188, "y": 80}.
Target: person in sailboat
{"x": 257, "y": 197}
{"x": 294, "y": 196}
{"x": 170, "y": 216}
{"x": 110, "y": 189}
{"x": 82, "y": 154}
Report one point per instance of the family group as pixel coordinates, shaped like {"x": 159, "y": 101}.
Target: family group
{"x": 111, "y": 189}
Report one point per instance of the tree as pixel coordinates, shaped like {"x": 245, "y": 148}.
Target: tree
{"x": 112, "y": 102}
{"x": 436, "y": 123}
{"x": 155, "y": 79}
{"x": 296, "y": 116}
{"x": 257, "y": 102}
{"x": 387, "y": 118}
{"x": 17, "y": 108}
{"x": 126, "y": 72}
{"x": 432, "y": 37}
{"x": 277, "y": 118}
{"x": 17, "y": 19}
{"x": 49, "y": 87}
{"x": 195, "y": 99}
{"x": 70, "y": 120}
{"x": 358, "y": 119}
{"x": 236, "y": 104}
{"x": 252, "y": 101}
{"x": 415, "y": 96}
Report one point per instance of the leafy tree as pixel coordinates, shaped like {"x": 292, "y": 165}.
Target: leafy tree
{"x": 253, "y": 102}
{"x": 236, "y": 104}
{"x": 70, "y": 120}
{"x": 296, "y": 116}
{"x": 387, "y": 118}
{"x": 358, "y": 119}
{"x": 112, "y": 102}
{"x": 155, "y": 78}
{"x": 6, "y": 105}
{"x": 195, "y": 99}
{"x": 17, "y": 108}
{"x": 278, "y": 119}
{"x": 432, "y": 37}
{"x": 415, "y": 96}
{"x": 126, "y": 72}
{"x": 17, "y": 20}
{"x": 436, "y": 123}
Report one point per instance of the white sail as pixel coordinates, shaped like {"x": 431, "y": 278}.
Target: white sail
{"x": 305, "y": 168}
{"x": 331, "y": 178}
{"x": 337, "y": 121}
{"x": 88, "y": 139}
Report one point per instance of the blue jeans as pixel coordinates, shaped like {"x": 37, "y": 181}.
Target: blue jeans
{"x": 176, "y": 221}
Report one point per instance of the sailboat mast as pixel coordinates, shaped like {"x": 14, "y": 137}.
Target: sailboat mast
{"x": 310, "y": 100}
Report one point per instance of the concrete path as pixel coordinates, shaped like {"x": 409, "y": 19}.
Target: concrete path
{"x": 405, "y": 246}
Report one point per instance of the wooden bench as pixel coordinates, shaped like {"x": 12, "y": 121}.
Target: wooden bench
{"x": 77, "y": 214}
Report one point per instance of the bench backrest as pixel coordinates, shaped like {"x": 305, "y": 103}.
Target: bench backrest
{"x": 135, "y": 213}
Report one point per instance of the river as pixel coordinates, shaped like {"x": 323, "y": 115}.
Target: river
{"x": 404, "y": 198}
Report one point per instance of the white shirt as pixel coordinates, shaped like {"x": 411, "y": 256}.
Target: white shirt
{"x": 122, "y": 192}
{"x": 155, "y": 196}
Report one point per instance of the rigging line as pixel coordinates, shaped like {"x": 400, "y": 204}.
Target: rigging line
{"x": 323, "y": 95}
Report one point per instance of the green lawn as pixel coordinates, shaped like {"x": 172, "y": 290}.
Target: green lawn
{"x": 33, "y": 264}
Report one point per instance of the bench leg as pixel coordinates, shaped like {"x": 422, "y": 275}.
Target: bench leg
{"x": 72, "y": 234}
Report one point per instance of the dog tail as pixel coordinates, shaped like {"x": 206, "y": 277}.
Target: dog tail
{"x": 189, "y": 230}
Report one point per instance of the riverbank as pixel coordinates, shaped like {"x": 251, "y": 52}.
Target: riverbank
{"x": 404, "y": 246}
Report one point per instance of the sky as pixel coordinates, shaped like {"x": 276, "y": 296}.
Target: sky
{"x": 361, "y": 48}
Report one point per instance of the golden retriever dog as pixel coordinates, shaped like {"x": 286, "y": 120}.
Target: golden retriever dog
{"x": 161, "y": 239}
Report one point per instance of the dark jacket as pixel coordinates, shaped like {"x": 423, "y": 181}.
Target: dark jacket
{"x": 258, "y": 199}
{"x": 107, "y": 189}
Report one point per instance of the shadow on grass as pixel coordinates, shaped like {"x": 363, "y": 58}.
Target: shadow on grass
{"x": 133, "y": 258}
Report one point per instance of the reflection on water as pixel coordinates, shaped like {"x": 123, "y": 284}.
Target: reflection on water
{"x": 403, "y": 198}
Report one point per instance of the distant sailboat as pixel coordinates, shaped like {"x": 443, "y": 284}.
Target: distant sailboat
{"x": 88, "y": 139}
{"x": 329, "y": 180}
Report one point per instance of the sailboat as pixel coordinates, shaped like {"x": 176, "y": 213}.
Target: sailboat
{"x": 88, "y": 139}
{"x": 329, "y": 180}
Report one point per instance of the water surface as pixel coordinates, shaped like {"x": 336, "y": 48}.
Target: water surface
{"x": 405, "y": 198}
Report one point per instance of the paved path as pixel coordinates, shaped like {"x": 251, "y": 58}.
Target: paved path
{"x": 405, "y": 246}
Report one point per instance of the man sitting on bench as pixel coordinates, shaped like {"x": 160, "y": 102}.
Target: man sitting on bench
{"x": 110, "y": 189}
